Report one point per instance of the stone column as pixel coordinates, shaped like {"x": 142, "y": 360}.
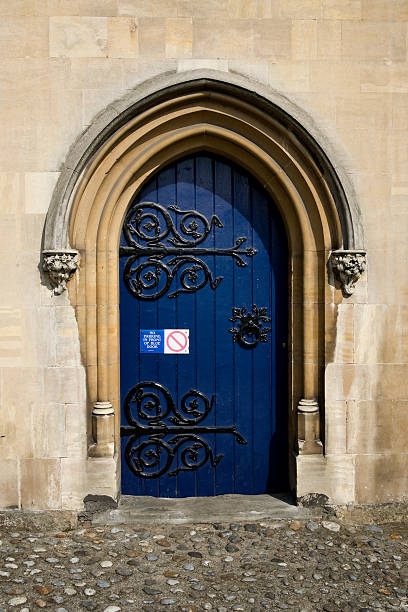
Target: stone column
{"x": 103, "y": 427}
{"x": 308, "y": 417}
{"x": 308, "y": 420}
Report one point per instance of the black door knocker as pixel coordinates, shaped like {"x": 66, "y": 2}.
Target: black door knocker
{"x": 250, "y": 327}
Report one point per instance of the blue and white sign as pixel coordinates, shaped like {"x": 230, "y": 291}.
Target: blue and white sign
{"x": 152, "y": 340}
{"x": 167, "y": 341}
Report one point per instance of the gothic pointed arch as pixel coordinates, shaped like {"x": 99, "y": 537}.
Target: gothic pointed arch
{"x": 162, "y": 121}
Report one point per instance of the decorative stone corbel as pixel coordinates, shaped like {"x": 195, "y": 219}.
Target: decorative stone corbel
{"x": 308, "y": 418}
{"x": 60, "y": 266}
{"x": 348, "y": 266}
{"x": 102, "y": 430}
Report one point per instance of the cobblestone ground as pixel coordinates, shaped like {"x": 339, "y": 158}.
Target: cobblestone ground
{"x": 275, "y": 565}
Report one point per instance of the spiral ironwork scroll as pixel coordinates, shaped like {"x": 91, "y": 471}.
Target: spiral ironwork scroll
{"x": 150, "y": 232}
{"x": 153, "y": 443}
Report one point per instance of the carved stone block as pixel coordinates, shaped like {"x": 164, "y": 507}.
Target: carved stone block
{"x": 309, "y": 428}
{"x": 348, "y": 266}
{"x": 60, "y": 266}
{"x": 102, "y": 430}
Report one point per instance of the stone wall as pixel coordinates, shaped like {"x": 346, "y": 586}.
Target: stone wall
{"x": 344, "y": 62}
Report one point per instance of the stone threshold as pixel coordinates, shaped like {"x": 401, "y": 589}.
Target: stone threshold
{"x": 220, "y": 509}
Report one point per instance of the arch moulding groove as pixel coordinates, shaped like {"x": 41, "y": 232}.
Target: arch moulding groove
{"x": 161, "y": 121}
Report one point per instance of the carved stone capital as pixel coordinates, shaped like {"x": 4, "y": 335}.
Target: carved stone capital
{"x": 348, "y": 266}
{"x": 60, "y": 266}
{"x": 308, "y": 418}
{"x": 103, "y": 426}
{"x": 308, "y": 406}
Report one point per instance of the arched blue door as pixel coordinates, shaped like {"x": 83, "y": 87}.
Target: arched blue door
{"x": 203, "y": 251}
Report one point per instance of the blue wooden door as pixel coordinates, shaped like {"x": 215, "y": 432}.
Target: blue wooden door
{"x": 203, "y": 249}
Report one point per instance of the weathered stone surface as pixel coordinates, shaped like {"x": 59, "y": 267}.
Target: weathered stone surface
{"x": 179, "y": 38}
{"x": 342, "y": 9}
{"x": 40, "y": 484}
{"x": 376, "y": 468}
{"x": 9, "y": 483}
{"x": 23, "y": 36}
{"x": 78, "y": 36}
{"x": 123, "y": 37}
{"x": 341, "y": 67}
{"x": 38, "y": 191}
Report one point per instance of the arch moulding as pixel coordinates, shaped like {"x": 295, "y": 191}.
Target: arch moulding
{"x": 161, "y": 121}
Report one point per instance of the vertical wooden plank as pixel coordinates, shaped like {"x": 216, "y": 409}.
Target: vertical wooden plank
{"x": 167, "y": 316}
{"x": 224, "y": 371}
{"x": 279, "y": 298}
{"x": 243, "y": 356}
{"x": 129, "y": 369}
{"x": 263, "y": 410}
{"x": 185, "y": 304}
{"x": 148, "y": 368}
{"x": 204, "y": 336}
{"x": 134, "y": 315}
{"x": 129, "y": 360}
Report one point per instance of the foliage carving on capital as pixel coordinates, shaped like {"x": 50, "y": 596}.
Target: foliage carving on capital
{"x": 348, "y": 266}
{"x": 60, "y": 266}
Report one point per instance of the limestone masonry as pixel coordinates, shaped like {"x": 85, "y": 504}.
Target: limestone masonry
{"x": 311, "y": 96}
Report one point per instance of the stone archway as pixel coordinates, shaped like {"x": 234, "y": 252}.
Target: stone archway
{"x": 164, "y": 121}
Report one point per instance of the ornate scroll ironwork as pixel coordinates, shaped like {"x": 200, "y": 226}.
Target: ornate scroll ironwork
{"x": 147, "y": 453}
{"x": 148, "y": 227}
{"x": 250, "y": 327}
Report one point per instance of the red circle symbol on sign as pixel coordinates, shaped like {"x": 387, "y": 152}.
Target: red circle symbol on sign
{"x": 177, "y": 341}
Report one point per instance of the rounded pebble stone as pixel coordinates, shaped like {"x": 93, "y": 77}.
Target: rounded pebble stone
{"x": 17, "y": 601}
{"x": 69, "y": 591}
{"x": 89, "y": 592}
{"x": 256, "y": 566}
{"x": 123, "y": 571}
{"x": 331, "y": 526}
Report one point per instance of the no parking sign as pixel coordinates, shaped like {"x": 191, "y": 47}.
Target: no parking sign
{"x": 176, "y": 341}
{"x": 167, "y": 341}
